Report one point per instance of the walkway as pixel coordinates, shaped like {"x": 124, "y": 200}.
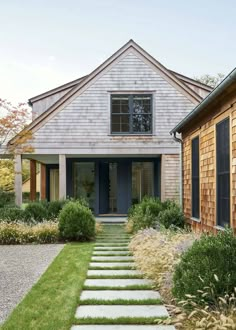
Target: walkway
{"x": 115, "y": 296}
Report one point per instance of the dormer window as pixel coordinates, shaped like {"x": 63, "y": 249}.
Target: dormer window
{"x": 131, "y": 114}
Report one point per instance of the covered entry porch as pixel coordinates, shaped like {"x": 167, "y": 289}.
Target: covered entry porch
{"x": 110, "y": 185}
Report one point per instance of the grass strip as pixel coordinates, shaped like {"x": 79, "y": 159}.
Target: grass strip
{"x": 115, "y": 244}
{"x": 133, "y": 276}
{"x": 121, "y": 302}
{"x": 127, "y": 287}
{"x": 120, "y": 320}
{"x": 52, "y": 301}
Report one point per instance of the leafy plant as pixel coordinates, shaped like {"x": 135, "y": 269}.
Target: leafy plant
{"x": 210, "y": 256}
{"x": 6, "y": 198}
{"x": 12, "y": 214}
{"x": 171, "y": 217}
{"x": 54, "y": 208}
{"x": 36, "y": 211}
{"x": 76, "y": 222}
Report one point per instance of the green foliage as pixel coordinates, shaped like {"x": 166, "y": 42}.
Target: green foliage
{"x": 6, "y": 198}
{"x": 209, "y": 263}
{"x": 151, "y": 213}
{"x": 144, "y": 214}
{"x": 19, "y": 233}
{"x": 172, "y": 216}
{"x": 12, "y": 214}
{"x": 54, "y": 208}
{"x": 76, "y": 222}
{"x": 36, "y": 211}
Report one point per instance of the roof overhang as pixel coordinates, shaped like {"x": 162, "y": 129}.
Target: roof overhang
{"x": 218, "y": 92}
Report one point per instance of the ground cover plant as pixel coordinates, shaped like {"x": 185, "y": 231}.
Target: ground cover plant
{"x": 21, "y": 233}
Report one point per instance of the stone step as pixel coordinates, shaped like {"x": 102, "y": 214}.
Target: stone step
{"x": 111, "y": 248}
{"x": 112, "y": 244}
{"x": 111, "y": 264}
{"x": 113, "y": 272}
{"x": 120, "y": 294}
{"x": 95, "y": 253}
{"x": 113, "y": 311}
{"x": 115, "y": 282}
{"x": 122, "y": 327}
{"x": 110, "y": 258}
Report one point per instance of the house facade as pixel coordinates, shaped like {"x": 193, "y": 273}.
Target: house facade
{"x": 105, "y": 136}
{"x": 209, "y": 159}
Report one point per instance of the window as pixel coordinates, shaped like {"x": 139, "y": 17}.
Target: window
{"x": 195, "y": 178}
{"x": 131, "y": 114}
{"x": 223, "y": 173}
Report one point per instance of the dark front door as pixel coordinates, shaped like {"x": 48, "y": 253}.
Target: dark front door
{"x": 223, "y": 173}
{"x": 114, "y": 187}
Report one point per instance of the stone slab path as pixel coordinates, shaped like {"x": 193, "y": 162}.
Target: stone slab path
{"x": 115, "y": 297}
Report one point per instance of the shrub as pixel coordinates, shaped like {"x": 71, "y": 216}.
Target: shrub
{"x": 76, "y": 222}
{"x": 12, "y": 214}
{"x": 36, "y": 211}
{"x": 171, "y": 217}
{"x": 6, "y": 198}
{"x": 144, "y": 214}
{"x": 19, "y": 233}
{"x": 54, "y": 208}
{"x": 210, "y": 257}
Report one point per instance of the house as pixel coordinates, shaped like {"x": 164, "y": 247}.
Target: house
{"x": 105, "y": 136}
{"x": 209, "y": 159}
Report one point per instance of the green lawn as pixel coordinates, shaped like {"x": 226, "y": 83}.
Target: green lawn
{"x": 52, "y": 302}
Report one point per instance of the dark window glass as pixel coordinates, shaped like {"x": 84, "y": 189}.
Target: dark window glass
{"x": 195, "y": 178}
{"x": 223, "y": 173}
{"x": 131, "y": 114}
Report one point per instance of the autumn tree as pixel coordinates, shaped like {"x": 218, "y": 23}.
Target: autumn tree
{"x": 210, "y": 80}
{"x": 13, "y": 122}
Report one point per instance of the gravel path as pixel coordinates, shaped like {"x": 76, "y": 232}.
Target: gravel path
{"x": 20, "y": 267}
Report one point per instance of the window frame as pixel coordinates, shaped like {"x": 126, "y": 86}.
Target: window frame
{"x": 193, "y": 216}
{"x": 131, "y": 113}
{"x": 219, "y": 173}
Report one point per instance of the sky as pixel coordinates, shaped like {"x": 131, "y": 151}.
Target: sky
{"x": 44, "y": 44}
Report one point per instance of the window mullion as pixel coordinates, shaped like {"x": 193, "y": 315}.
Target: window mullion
{"x": 131, "y": 114}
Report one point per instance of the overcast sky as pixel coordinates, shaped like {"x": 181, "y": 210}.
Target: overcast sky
{"x": 47, "y": 43}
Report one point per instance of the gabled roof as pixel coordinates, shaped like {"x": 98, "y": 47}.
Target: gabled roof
{"x": 228, "y": 83}
{"x": 83, "y": 82}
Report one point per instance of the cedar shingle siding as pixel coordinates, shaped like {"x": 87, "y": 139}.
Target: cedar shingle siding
{"x": 206, "y": 130}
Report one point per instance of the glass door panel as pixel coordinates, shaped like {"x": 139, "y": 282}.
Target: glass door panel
{"x": 54, "y": 184}
{"x": 142, "y": 180}
{"x": 84, "y": 182}
{"x": 112, "y": 187}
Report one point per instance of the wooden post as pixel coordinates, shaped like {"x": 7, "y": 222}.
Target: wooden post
{"x": 42, "y": 181}
{"x": 32, "y": 180}
{"x": 62, "y": 176}
{"x": 163, "y": 185}
{"x": 18, "y": 180}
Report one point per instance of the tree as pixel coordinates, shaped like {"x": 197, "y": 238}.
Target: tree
{"x": 210, "y": 80}
{"x": 7, "y": 174}
{"x": 14, "y": 121}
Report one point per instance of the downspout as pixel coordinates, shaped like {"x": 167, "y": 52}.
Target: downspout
{"x": 180, "y": 168}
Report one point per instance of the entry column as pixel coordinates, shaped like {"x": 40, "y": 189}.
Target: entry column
{"x": 62, "y": 176}
{"x": 18, "y": 180}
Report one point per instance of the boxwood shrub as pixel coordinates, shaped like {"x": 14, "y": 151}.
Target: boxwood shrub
{"x": 151, "y": 213}
{"x": 211, "y": 257}
{"x": 76, "y": 222}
